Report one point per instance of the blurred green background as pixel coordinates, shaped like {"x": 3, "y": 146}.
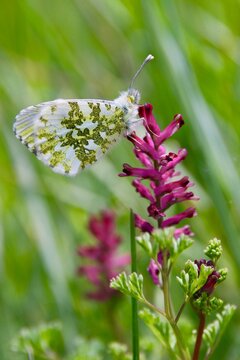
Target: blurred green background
{"x": 90, "y": 49}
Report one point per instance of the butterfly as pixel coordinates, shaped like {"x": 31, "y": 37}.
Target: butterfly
{"x": 70, "y": 135}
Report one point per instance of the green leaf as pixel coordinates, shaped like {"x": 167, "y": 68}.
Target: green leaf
{"x": 85, "y": 349}
{"x": 131, "y": 285}
{"x": 179, "y": 245}
{"x": 197, "y": 283}
{"x": 163, "y": 238}
{"x": 40, "y": 341}
{"x": 161, "y": 329}
{"x": 183, "y": 280}
{"x": 213, "y": 333}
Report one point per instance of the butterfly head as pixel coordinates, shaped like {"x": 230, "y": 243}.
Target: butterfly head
{"x": 133, "y": 96}
{"x": 128, "y": 99}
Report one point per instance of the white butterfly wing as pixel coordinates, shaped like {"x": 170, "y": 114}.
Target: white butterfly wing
{"x": 70, "y": 135}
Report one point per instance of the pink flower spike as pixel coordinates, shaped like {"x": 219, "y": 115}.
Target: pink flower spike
{"x": 159, "y": 168}
{"x": 105, "y": 262}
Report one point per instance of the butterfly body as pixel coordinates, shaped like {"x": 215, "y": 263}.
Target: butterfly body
{"x": 71, "y": 135}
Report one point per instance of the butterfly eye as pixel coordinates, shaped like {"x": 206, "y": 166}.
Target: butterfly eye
{"x": 131, "y": 99}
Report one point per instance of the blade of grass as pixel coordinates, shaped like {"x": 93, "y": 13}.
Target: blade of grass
{"x": 135, "y": 330}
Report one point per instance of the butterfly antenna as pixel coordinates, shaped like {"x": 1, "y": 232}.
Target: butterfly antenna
{"x": 148, "y": 58}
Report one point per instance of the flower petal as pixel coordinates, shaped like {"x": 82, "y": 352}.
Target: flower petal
{"x": 190, "y": 212}
{"x": 143, "y": 190}
{"x": 142, "y": 224}
{"x": 173, "y": 127}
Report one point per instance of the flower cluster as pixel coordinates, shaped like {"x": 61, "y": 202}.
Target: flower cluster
{"x": 106, "y": 264}
{"x": 212, "y": 279}
{"x": 159, "y": 168}
{"x": 166, "y": 187}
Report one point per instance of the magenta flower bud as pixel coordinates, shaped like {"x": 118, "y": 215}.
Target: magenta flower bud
{"x": 143, "y": 190}
{"x": 139, "y": 172}
{"x": 143, "y": 158}
{"x": 142, "y": 224}
{"x": 145, "y": 112}
{"x": 154, "y": 272}
{"x": 185, "y": 230}
{"x": 212, "y": 279}
{"x": 160, "y": 257}
{"x": 143, "y": 146}
{"x": 173, "y": 127}
{"x": 174, "y": 220}
{"x": 174, "y": 185}
{"x": 154, "y": 211}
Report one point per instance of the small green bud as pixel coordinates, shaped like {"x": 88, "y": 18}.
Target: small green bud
{"x": 223, "y": 274}
{"x": 214, "y": 249}
{"x": 206, "y": 304}
{"x": 144, "y": 240}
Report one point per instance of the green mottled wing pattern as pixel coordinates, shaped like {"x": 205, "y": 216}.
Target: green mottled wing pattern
{"x": 70, "y": 135}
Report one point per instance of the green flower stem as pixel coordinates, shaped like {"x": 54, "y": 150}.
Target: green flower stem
{"x": 180, "y": 311}
{"x": 30, "y": 356}
{"x": 169, "y": 314}
{"x": 165, "y": 286}
{"x": 202, "y": 319}
{"x": 135, "y": 332}
{"x": 155, "y": 308}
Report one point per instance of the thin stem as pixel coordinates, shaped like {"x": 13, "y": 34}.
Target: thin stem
{"x": 198, "y": 343}
{"x": 180, "y": 311}
{"x": 158, "y": 197}
{"x": 165, "y": 280}
{"x": 113, "y": 323}
{"x": 170, "y": 268}
{"x": 135, "y": 332}
{"x": 155, "y": 308}
{"x": 184, "y": 353}
{"x": 169, "y": 314}
{"x": 30, "y": 356}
